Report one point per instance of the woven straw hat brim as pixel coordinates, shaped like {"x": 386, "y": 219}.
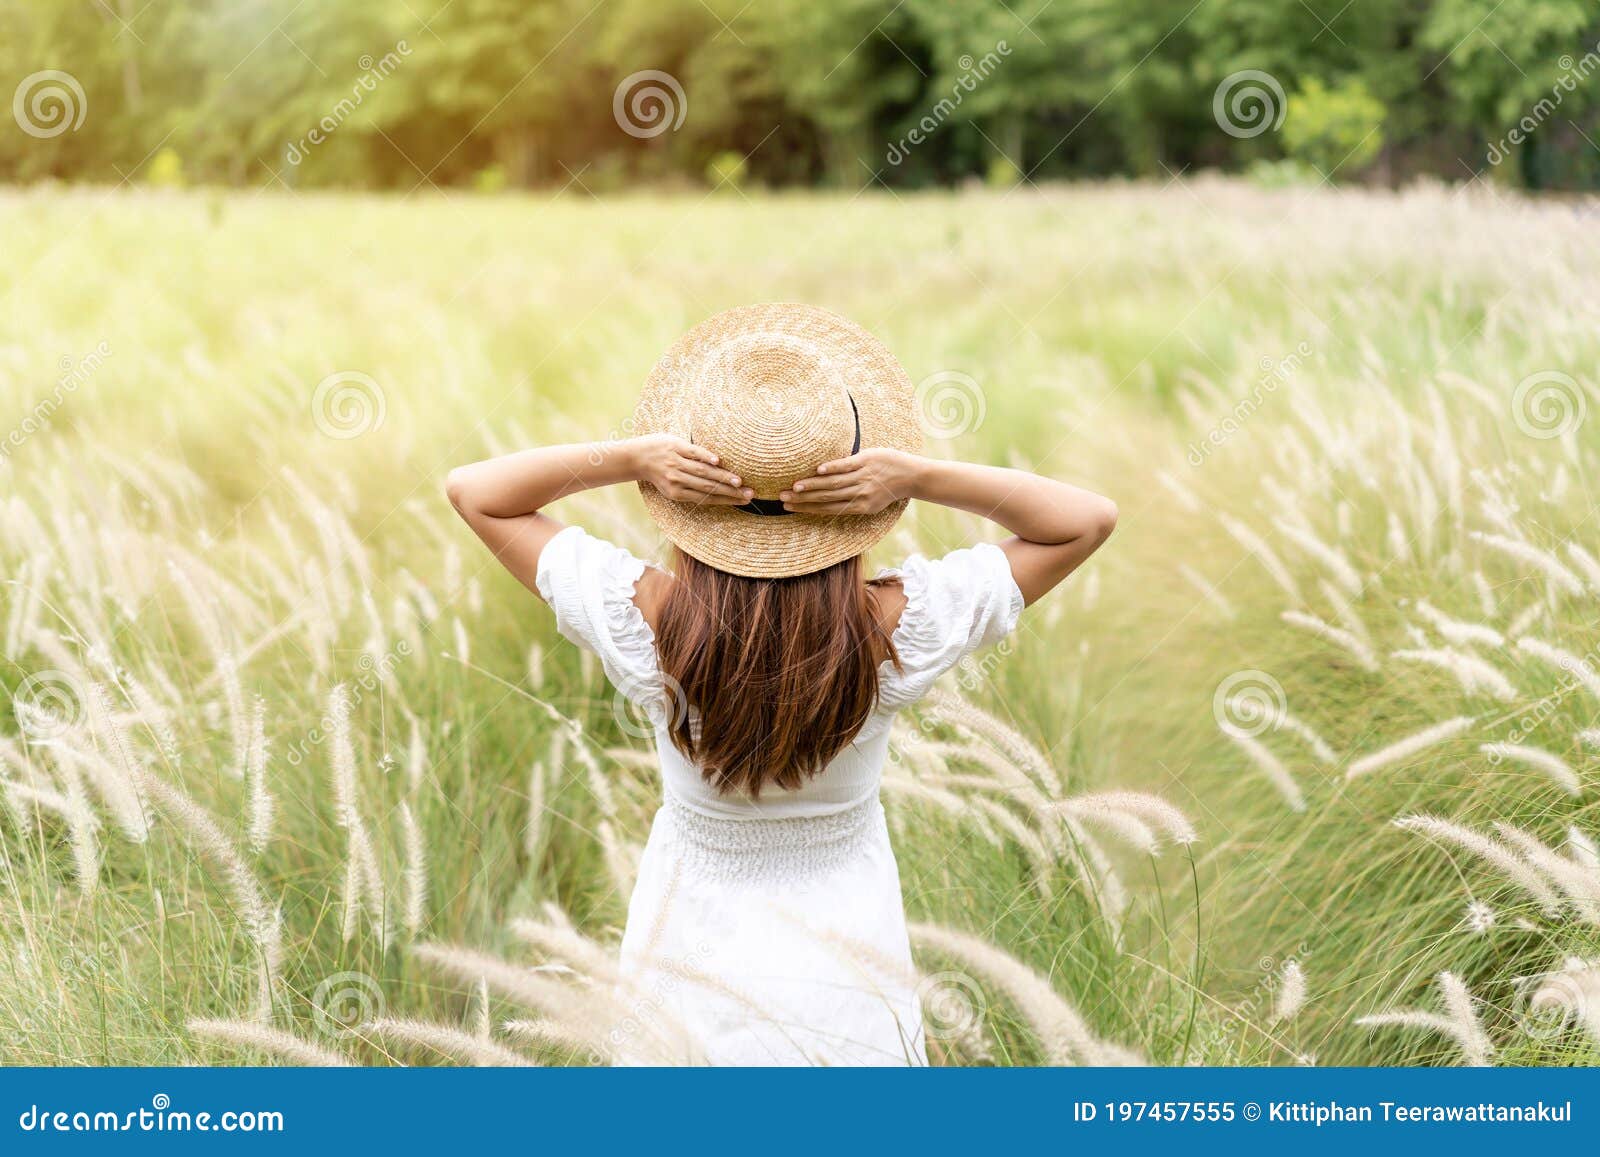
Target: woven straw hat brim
{"x": 776, "y": 390}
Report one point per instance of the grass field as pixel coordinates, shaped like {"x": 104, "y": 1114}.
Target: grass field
{"x": 292, "y": 773}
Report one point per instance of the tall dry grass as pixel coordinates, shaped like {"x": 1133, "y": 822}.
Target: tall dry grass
{"x": 1302, "y": 769}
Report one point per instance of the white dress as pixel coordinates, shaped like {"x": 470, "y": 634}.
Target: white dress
{"x": 772, "y": 932}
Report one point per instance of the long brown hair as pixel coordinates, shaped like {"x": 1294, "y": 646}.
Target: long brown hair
{"x": 783, "y": 672}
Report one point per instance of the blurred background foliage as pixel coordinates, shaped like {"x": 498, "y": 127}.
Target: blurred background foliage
{"x": 496, "y": 94}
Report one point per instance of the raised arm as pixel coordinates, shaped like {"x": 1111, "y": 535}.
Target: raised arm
{"x": 1057, "y": 525}
{"x": 502, "y": 498}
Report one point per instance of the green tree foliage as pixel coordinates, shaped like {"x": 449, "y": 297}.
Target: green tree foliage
{"x": 520, "y": 93}
{"x": 1511, "y": 68}
{"x": 1334, "y": 129}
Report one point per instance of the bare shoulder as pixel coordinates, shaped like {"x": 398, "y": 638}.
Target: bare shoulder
{"x": 888, "y": 601}
{"x": 650, "y": 594}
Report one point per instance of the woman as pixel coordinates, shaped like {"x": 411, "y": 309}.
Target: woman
{"x": 776, "y": 444}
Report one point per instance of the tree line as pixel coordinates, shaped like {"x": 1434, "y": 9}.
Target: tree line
{"x": 498, "y": 94}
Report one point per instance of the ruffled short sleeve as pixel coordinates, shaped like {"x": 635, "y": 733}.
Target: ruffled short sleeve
{"x": 589, "y": 584}
{"x": 955, "y": 605}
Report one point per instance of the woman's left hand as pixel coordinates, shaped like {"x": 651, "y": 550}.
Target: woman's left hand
{"x": 864, "y": 483}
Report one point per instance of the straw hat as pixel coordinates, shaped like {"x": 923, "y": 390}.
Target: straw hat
{"x": 775, "y": 391}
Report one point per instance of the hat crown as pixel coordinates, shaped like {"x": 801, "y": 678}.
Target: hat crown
{"x": 773, "y": 409}
{"x": 776, "y": 390}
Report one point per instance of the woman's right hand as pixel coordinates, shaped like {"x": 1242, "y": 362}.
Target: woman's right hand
{"x": 684, "y": 472}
